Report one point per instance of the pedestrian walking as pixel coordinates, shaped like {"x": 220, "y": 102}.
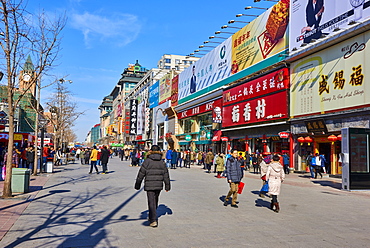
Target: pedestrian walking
{"x": 58, "y": 156}
{"x": 323, "y": 162}
{"x": 155, "y": 173}
{"x": 168, "y": 158}
{"x": 220, "y": 164}
{"x": 82, "y": 156}
{"x": 209, "y": 161}
{"x": 275, "y": 176}
{"x": 309, "y": 160}
{"x": 30, "y": 155}
{"x": 87, "y": 156}
{"x": 264, "y": 166}
{"x": 94, "y": 159}
{"x": 174, "y": 158}
{"x": 134, "y": 158}
{"x": 187, "y": 159}
{"x": 286, "y": 160}
{"x": 127, "y": 154}
{"x": 317, "y": 165}
{"x": 234, "y": 177}
{"x": 104, "y": 157}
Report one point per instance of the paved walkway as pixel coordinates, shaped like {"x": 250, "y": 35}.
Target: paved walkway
{"x": 12, "y": 209}
{"x": 75, "y": 209}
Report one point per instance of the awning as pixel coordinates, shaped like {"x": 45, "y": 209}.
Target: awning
{"x": 202, "y": 142}
{"x": 183, "y": 143}
{"x": 217, "y": 135}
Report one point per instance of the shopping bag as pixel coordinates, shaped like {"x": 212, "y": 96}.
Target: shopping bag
{"x": 240, "y": 187}
{"x": 3, "y": 172}
{"x": 265, "y": 187}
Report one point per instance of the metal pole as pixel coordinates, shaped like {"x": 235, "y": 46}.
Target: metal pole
{"x": 42, "y": 149}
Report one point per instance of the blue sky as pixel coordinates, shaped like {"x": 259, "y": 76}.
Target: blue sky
{"x": 102, "y": 37}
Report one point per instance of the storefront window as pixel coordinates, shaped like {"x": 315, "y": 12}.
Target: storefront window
{"x": 205, "y": 120}
{"x": 186, "y": 125}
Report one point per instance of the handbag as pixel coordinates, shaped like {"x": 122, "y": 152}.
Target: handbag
{"x": 265, "y": 187}
{"x": 240, "y": 187}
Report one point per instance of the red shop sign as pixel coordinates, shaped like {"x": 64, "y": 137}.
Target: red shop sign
{"x": 224, "y": 138}
{"x": 270, "y": 83}
{"x": 266, "y": 108}
{"x": 283, "y": 135}
{"x": 200, "y": 109}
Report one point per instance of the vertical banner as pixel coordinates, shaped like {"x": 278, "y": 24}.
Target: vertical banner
{"x": 140, "y": 118}
{"x": 165, "y": 87}
{"x": 154, "y": 95}
{"x": 175, "y": 91}
{"x": 133, "y": 117}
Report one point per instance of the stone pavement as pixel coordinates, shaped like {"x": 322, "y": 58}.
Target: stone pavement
{"x": 75, "y": 209}
{"x": 12, "y": 209}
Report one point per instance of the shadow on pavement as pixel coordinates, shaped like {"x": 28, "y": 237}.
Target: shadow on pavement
{"x": 89, "y": 237}
{"x": 328, "y": 183}
{"x": 262, "y": 203}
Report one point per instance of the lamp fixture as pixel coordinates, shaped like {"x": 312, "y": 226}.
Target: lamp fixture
{"x": 239, "y": 15}
{"x": 201, "y": 46}
{"x": 219, "y": 32}
{"x": 213, "y": 37}
{"x": 233, "y": 21}
{"x": 252, "y": 7}
{"x": 207, "y": 41}
{"x": 226, "y": 26}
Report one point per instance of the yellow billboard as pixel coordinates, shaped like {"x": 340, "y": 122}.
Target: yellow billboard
{"x": 331, "y": 80}
{"x": 165, "y": 87}
{"x": 263, "y": 37}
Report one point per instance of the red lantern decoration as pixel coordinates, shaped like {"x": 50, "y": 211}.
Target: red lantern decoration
{"x": 339, "y": 137}
{"x": 332, "y": 138}
{"x": 301, "y": 140}
{"x": 308, "y": 139}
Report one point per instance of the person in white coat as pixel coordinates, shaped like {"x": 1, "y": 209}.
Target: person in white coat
{"x": 275, "y": 176}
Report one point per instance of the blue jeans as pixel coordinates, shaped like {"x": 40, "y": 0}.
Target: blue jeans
{"x": 93, "y": 164}
{"x": 168, "y": 163}
{"x": 312, "y": 171}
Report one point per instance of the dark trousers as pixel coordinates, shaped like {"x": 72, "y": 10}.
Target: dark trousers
{"x": 286, "y": 168}
{"x": 318, "y": 170}
{"x": 93, "y": 164}
{"x": 153, "y": 197}
{"x": 105, "y": 167}
{"x": 274, "y": 198}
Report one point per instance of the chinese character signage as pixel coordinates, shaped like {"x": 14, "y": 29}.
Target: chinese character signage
{"x": 316, "y": 126}
{"x": 154, "y": 95}
{"x": 175, "y": 91}
{"x": 265, "y": 108}
{"x": 263, "y": 37}
{"x": 165, "y": 87}
{"x": 311, "y": 20}
{"x": 141, "y": 117}
{"x": 210, "y": 69}
{"x": 331, "y": 80}
{"x": 133, "y": 116}
{"x": 268, "y": 84}
{"x": 210, "y": 106}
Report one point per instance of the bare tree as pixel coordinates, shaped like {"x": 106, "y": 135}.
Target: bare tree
{"x": 63, "y": 113}
{"x": 20, "y": 37}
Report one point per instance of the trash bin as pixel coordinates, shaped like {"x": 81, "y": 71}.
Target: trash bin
{"x": 21, "y": 180}
{"x": 49, "y": 165}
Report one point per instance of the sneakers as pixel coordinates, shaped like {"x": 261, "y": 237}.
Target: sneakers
{"x": 234, "y": 206}
{"x": 153, "y": 224}
{"x": 225, "y": 203}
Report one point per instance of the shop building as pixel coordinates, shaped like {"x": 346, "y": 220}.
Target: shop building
{"x": 255, "y": 114}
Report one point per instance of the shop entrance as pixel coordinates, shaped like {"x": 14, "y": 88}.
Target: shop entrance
{"x": 325, "y": 148}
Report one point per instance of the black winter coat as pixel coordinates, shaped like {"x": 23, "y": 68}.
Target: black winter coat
{"x": 233, "y": 170}
{"x": 104, "y": 157}
{"x": 155, "y": 172}
{"x": 30, "y": 156}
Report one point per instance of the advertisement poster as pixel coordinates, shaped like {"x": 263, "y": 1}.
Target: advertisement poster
{"x": 175, "y": 91}
{"x": 314, "y": 19}
{"x": 165, "y": 87}
{"x": 210, "y": 69}
{"x": 133, "y": 117}
{"x": 331, "y": 80}
{"x": 154, "y": 95}
{"x": 263, "y": 37}
{"x": 266, "y": 108}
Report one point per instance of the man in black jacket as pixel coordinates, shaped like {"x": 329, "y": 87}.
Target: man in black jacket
{"x": 155, "y": 172}
{"x": 104, "y": 157}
